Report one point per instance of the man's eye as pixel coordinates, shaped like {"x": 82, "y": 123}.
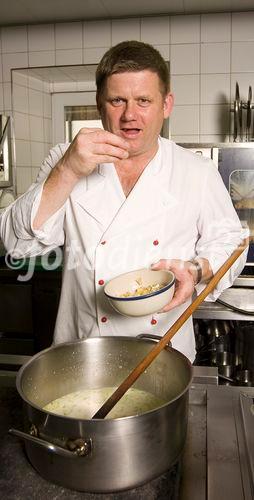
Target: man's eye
{"x": 144, "y": 102}
{"x": 116, "y": 101}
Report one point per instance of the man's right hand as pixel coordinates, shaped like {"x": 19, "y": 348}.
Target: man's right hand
{"x": 90, "y": 147}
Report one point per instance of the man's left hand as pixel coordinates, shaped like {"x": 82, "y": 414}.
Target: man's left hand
{"x": 184, "y": 285}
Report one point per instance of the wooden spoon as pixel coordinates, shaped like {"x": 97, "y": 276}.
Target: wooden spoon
{"x": 140, "y": 368}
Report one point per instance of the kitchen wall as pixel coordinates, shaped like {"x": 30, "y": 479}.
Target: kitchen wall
{"x": 208, "y": 53}
{"x": 32, "y": 116}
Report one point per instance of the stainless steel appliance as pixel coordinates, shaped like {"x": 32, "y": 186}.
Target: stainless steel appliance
{"x": 235, "y": 162}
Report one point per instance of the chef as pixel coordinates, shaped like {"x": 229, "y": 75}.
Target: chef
{"x": 122, "y": 197}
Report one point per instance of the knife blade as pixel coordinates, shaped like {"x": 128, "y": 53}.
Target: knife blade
{"x": 248, "y": 119}
{"x": 236, "y": 111}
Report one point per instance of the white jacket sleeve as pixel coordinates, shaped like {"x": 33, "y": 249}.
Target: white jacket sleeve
{"x": 16, "y": 231}
{"x": 220, "y": 231}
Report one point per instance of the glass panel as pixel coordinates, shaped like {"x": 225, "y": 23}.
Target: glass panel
{"x": 77, "y": 117}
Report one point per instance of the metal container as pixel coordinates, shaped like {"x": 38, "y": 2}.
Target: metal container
{"x": 111, "y": 454}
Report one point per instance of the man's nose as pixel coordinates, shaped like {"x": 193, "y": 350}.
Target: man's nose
{"x": 129, "y": 112}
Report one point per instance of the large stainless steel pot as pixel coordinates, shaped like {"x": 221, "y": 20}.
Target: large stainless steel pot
{"x": 103, "y": 455}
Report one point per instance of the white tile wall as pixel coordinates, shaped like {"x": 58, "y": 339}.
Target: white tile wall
{"x": 23, "y": 152}
{"x": 125, "y": 29}
{"x": 10, "y": 61}
{"x": 68, "y": 56}
{"x": 185, "y": 29}
{"x": 185, "y": 120}
{"x": 47, "y": 107}
{"x": 185, "y": 89}
{"x": 214, "y": 118}
{"x": 1, "y": 98}
{"x": 43, "y": 58}
{"x": 215, "y": 57}
{"x": 14, "y": 39}
{"x": 1, "y": 69}
{"x": 7, "y": 97}
{"x": 242, "y": 57}
{"x": 215, "y": 27}
{"x": 155, "y": 30}
{"x": 242, "y": 26}
{"x": 36, "y": 128}
{"x": 21, "y": 126}
{"x": 68, "y": 35}
{"x": 41, "y": 37}
{"x": 20, "y": 98}
{"x": 37, "y": 153}
{"x": 208, "y": 53}
{"x": 24, "y": 179}
{"x": 215, "y": 89}
{"x": 93, "y": 55}
{"x": 35, "y": 102}
{"x": 97, "y": 34}
{"x": 185, "y": 59}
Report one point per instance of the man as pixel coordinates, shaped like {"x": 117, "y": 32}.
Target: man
{"x": 123, "y": 198}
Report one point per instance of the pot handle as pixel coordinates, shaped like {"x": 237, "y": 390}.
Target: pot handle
{"x": 78, "y": 447}
{"x": 150, "y": 336}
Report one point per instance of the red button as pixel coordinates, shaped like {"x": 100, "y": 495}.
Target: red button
{"x": 101, "y": 282}
{"x": 155, "y": 242}
{"x": 104, "y": 319}
{"x": 103, "y": 242}
{"x": 153, "y": 321}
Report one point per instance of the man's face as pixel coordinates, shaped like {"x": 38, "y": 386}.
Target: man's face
{"x": 133, "y": 107}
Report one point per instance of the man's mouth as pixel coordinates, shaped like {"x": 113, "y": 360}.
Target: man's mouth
{"x": 131, "y": 132}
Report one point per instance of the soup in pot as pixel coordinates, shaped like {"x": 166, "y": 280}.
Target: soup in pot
{"x": 85, "y": 403}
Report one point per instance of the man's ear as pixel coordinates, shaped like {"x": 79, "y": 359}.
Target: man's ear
{"x": 168, "y": 104}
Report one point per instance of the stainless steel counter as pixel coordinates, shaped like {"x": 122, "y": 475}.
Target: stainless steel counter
{"x": 218, "y": 460}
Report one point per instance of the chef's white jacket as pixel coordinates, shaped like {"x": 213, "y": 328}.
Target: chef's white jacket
{"x": 179, "y": 208}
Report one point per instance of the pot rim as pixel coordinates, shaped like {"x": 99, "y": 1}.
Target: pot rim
{"x": 97, "y": 339}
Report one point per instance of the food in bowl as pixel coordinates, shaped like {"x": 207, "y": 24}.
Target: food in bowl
{"x": 143, "y": 290}
{"x": 140, "y": 292}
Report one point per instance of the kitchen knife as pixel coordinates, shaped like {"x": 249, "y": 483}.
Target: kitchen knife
{"x": 236, "y": 111}
{"x": 248, "y": 119}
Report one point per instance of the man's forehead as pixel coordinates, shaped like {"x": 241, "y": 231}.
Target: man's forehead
{"x": 136, "y": 79}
